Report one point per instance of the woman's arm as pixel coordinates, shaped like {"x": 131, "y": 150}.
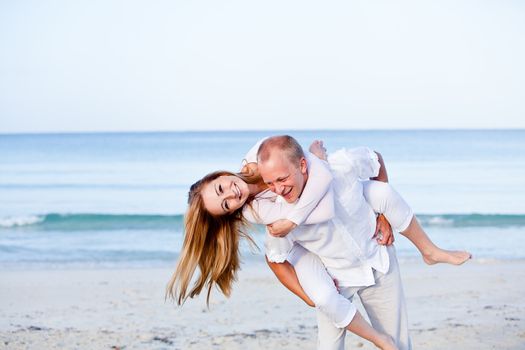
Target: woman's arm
{"x": 319, "y": 181}
{"x": 316, "y": 187}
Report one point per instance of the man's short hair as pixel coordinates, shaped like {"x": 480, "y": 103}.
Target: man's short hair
{"x": 283, "y": 143}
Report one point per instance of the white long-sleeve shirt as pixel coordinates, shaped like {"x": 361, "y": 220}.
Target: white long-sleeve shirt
{"x": 316, "y": 203}
{"x": 344, "y": 243}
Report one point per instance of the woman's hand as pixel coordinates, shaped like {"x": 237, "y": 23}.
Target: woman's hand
{"x": 281, "y": 228}
{"x": 318, "y": 149}
{"x": 250, "y": 169}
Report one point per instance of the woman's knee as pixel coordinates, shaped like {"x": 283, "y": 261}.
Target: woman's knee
{"x": 323, "y": 298}
{"x": 379, "y": 194}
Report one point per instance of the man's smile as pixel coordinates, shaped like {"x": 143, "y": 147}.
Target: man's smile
{"x": 287, "y": 192}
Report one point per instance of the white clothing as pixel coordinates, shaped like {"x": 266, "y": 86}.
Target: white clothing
{"x": 316, "y": 202}
{"x": 313, "y": 277}
{"x": 385, "y": 306}
{"x": 344, "y": 244}
{"x": 320, "y": 288}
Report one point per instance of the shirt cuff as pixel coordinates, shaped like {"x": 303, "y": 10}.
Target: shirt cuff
{"x": 295, "y": 218}
{"x": 275, "y": 257}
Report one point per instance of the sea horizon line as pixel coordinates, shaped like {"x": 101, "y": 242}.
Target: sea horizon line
{"x": 137, "y": 132}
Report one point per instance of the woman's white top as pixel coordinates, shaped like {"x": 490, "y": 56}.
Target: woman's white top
{"x": 316, "y": 203}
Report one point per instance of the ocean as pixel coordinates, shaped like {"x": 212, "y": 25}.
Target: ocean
{"x": 118, "y": 199}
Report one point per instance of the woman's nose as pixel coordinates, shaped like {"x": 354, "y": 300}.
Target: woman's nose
{"x": 229, "y": 193}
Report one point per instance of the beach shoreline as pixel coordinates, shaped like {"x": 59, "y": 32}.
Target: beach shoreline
{"x": 474, "y": 306}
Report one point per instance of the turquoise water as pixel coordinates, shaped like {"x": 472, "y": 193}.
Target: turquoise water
{"x": 118, "y": 198}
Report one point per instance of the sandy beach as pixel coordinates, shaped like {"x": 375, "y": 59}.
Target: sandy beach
{"x": 476, "y": 306}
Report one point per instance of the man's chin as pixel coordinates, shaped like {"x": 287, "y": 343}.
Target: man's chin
{"x": 290, "y": 199}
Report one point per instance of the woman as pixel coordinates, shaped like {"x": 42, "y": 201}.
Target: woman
{"x": 213, "y": 228}
{"x": 215, "y": 222}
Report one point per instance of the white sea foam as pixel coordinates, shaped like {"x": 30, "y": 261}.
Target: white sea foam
{"x": 439, "y": 220}
{"x": 14, "y": 221}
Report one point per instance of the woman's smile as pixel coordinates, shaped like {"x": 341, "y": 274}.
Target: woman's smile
{"x": 225, "y": 194}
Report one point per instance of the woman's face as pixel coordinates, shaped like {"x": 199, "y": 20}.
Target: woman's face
{"x": 224, "y": 195}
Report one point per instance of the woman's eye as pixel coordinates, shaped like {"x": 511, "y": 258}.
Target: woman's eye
{"x": 226, "y": 206}
{"x": 220, "y": 189}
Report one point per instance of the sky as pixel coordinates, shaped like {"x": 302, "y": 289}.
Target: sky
{"x": 177, "y": 65}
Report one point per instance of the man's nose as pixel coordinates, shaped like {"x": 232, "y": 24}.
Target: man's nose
{"x": 279, "y": 189}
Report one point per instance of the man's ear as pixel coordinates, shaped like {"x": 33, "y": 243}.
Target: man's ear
{"x": 303, "y": 165}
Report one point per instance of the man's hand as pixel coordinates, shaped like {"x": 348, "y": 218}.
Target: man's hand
{"x": 318, "y": 149}
{"x": 281, "y": 228}
{"x": 383, "y": 234}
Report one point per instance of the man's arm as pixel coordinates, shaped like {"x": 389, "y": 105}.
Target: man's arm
{"x": 285, "y": 273}
{"x": 382, "y": 176}
{"x": 382, "y": 225}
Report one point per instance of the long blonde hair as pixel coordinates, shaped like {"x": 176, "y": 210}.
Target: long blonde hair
{"x": 211, "y": 243}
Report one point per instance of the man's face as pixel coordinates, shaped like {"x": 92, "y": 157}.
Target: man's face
{"x": 284, "y": 177}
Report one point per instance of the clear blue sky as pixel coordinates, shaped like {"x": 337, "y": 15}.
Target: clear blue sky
{"x": 235, "y": 64}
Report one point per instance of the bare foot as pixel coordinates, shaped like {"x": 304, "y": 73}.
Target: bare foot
{"x": 454, "y": 257}
{"x": 318, "y": 149}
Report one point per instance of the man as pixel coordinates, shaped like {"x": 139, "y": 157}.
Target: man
{"x": 344, "y": 244}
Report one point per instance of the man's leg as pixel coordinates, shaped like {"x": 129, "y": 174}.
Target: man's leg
{"x": 329, "y": 337}
{"x": 385, "y": 304}
{"x": 336, "y": 311}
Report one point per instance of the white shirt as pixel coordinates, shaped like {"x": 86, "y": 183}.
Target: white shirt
{"x": 316, "y": 203}
{"x": 344, "y": 243}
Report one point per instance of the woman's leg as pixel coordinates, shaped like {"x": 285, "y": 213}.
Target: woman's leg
{"x": 384, "y": 199}
{"x": 431, "y": 253}
{"x": 363, "y": 329}
{"x": 338, "y": 311}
